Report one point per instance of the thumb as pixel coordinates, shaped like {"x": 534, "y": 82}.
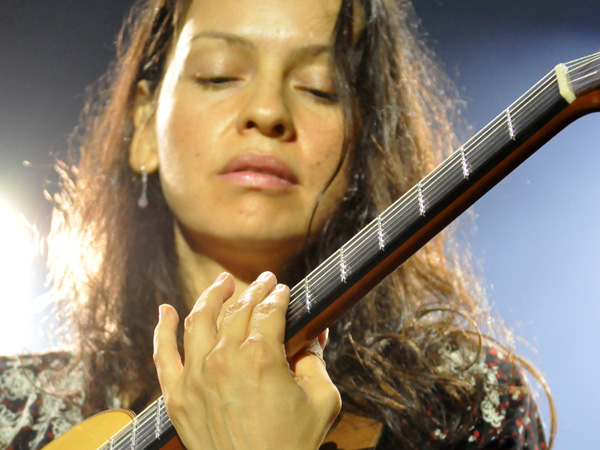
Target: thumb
{"x": 310, "y": 372}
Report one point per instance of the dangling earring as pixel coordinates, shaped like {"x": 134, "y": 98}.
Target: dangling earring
{"x": 143, "y": 200}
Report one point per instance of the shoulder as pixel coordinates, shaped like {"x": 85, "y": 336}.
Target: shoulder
{"x": 509, "y": 417}
{"x": 506, "y": 414}
{"x": 40, "y": 398}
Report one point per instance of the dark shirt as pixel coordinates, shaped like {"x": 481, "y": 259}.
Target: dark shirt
{"x": 31, "y": 415}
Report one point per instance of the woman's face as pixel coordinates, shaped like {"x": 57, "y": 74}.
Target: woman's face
{"x": 247, "y": 129}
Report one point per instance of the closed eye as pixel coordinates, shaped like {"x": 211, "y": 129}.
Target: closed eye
{"x": 215, "y": 82}
{"x": 328, "y": 97}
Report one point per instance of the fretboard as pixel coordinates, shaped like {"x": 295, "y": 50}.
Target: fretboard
{"x": 566, "y": 93}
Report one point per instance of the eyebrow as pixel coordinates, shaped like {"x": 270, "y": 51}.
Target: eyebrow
{"x": 234, "y": 40}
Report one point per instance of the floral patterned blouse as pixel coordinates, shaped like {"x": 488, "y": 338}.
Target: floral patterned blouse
{"x": 31, "y": 416}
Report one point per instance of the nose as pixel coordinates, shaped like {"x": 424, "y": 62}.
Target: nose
{"x": 267, "y": 111}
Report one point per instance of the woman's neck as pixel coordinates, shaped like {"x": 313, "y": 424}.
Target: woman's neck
{"x": 202, "y": 260}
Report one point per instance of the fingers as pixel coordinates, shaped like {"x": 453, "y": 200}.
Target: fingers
{"x": 235, "y": 324}
{"x": 201, "y": 324}
{"x": 166, "y": 354}
{"x": 323, "y": 338}
{"x": 227, "y": 373}
{"x": 268, "y": 317}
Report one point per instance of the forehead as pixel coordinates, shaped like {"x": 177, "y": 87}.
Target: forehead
{"x": 268, "y": 20}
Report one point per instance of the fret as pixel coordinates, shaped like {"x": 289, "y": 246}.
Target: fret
{"x": 134, "y": 433}
{"x": 343, "y": 266}
{"x": 158, "y": 419}
{"x": 111, "y": 444}
{"x": 511, "y": 130}
{"x": 380, "y": 236}
{"x": 463, "y": 162}
{"x": 307, "y": 295}
{"x": 421, "y": 199}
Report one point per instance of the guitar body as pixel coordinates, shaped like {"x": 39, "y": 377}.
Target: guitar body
{"x": 350, "y": 432}
{"x": 96, "y": 431}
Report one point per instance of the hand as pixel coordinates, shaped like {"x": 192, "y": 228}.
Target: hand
{"x": 236, "y": 389}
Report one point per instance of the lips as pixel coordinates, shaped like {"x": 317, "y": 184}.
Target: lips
{"x": 257, "y": 171}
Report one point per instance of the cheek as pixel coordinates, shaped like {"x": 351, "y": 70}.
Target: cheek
{"x": 188, "y": 132}
{"x": 175, "y": 150}
{"x": 182, "y": 160}
{"x": 326, "y": 139}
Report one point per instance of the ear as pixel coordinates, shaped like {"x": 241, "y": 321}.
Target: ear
{"x": 143, "y": 151}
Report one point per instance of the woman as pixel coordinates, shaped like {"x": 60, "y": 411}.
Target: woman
{"x": 235, "y": 145}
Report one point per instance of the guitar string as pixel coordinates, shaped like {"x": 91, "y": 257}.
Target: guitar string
{"x": 150, "y": 432}
{"x": 499, "y": 122}
{"x": 583, "y": 60}
{"x": 592, "y": 59}
{"x": 148, "y": 427}
{"x": 350, "y": 249}
{"x": 586, "y": 64}
{"x": 124, "y": 436}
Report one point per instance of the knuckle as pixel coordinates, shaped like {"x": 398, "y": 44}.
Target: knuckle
{"x": 216, "y": 364}
{"x": 236, "y": 306}
{"x": 156, "y": 347}
{"x": 334, "y": 399}
{"x": 212, "y": 293}
{"x": 196, "y": 385}
{"x": 259, "y": 352}
{"x": 156, "y": 335}
{"x": 156, "y": 357}
{"x": 267, "y": 307}
{"x": 174, "y": 405}
{"x": 194, "y": 318}
{"x": 188, "y": 323}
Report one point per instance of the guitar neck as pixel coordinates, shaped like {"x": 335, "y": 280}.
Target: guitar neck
{"x": 565, "y": 94}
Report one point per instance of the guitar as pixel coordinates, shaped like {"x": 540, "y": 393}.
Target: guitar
{"x": 568, "y": 92}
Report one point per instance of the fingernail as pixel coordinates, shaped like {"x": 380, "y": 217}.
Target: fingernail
{"x": 221, "y": 277}
{"x": 323, "y": 338}
{"x": 279, "y": 287}
{"x": 264, "y": 276}
{"x": 162, "y": 311}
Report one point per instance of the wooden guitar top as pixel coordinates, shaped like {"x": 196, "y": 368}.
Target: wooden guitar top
{"x": 350, "y": 432}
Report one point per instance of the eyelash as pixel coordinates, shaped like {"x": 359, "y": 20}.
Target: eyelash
{"x": 221, "y": 82}
{"x": 326, "y": 97}
{"x": 215, "y": 82}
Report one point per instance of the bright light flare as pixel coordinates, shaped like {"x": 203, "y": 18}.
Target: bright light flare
{"x": 16, "y": 256}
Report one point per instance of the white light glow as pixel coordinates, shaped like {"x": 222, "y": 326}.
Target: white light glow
{"x": 16, "y": 255}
